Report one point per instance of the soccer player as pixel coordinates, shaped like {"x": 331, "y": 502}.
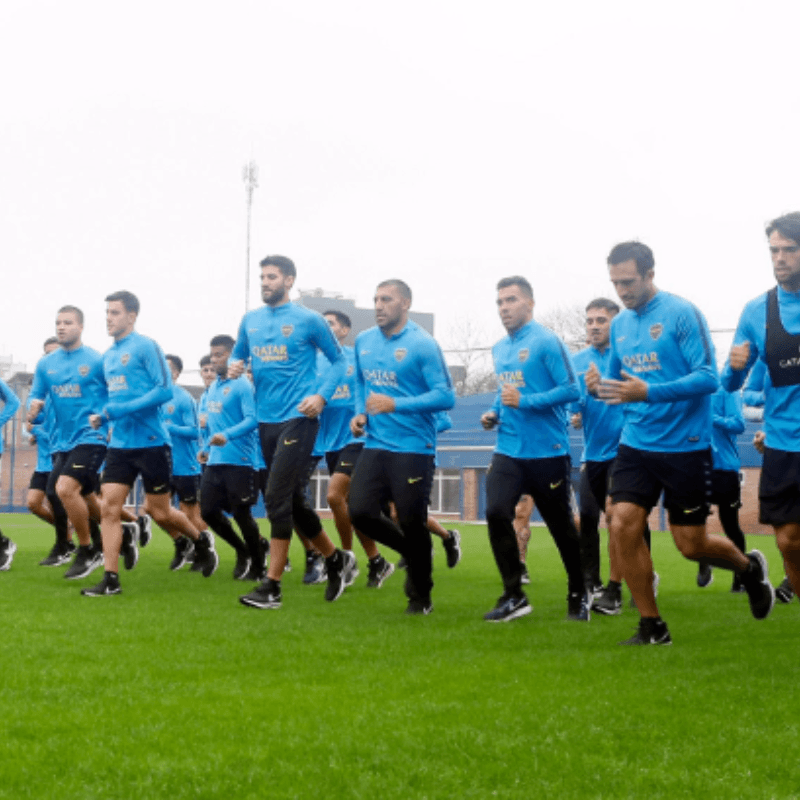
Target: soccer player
{"x": 71, "y": 381}
{"x": 10, "y": 405}
{"x": 230, "y": 478}
{"x": 138, "y": 383}
{"x": 180, "y": 419}
{"x": 536, "y": 382}
{"x": 769, "y": 329}
{"x": 342, "y": 450}
{"x": 662, "y": 369}
{"x": 49, "y": 509}
{"x": 401, "y": 382}
{"x": 602, "y": 427}
{"x": 282, "y": 339}
{"x": 726, "y": 492}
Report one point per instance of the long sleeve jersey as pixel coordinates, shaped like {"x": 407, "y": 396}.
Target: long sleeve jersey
{"x": 231, "y": 409}
{"x": 536, "y": 362}
{"x": 409, "y": 367}
{"x": 180, "y": 420}
{"x": 281, "y": 344}
{"x": 73, "y": 382}
{"x": 11, "y": 404}
{"x": 138, "y": 383}
{"x": 667, "y": 344}
{"x": 728, "y": 422}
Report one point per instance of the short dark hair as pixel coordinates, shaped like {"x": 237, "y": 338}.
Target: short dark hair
{"x": 205, "y": 360}
{"x": 787, "y": 226}
{"x": 341, "y": 317}
{"x": 604, "y": 303}
{"x": 401, "y": 286}
{"x": 516, "y": 280}
{"x": 176, "y": 360}
{"x": 72, "y": 310}
{"x": 48, "y": 341}
{"x": 285, "y": 265}
{"x": 633, "y": 251}
{"x": 128, "y": 299}
{"x": 223, "y": 340}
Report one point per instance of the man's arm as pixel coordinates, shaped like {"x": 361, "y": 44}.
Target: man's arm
{"x": 11, "y": 401}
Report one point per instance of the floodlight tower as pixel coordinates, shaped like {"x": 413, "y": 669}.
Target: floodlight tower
{"x": 250, "y": 178}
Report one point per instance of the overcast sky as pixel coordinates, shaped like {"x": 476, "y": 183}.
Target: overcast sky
{"x": 446, "y": 143}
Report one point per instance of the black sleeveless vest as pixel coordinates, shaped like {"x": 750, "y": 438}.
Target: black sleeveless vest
{"x": 782, "y": 348}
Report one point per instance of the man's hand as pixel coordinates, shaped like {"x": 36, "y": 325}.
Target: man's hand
{"x": 509, "y": 395}
{"x": 489, "y": 420}
{"x": 592, "y": 379}
{"x": 203, "y": 420}
{"x": 235, "y": 369}
{"x": 760, "y": 441}
{"x": 202, "y": 457}
{"x": 739, "y": 356}
{"x": 576, "y": 420}
{"x": 380, "y": 404}
{"x": 358, "y": 424}
{"x": 96, "y": 420}
{"x": 218, "y": 439}
{"x": 35, "y": 407}
{"x": 629, "y": 390}
{"x": 311, "y": 406}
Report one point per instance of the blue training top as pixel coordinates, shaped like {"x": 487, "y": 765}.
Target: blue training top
{"x": 73, "y": 382}
{"x": 11, "y": 405}
{"x": 409, "y": 367}
{"x": 667, "y": 344}
{"x": 601, "y": 423}
{"x": 728, "y": 422}
{"x": 139, "y": 383}
{"x": 231, "y": 410}
{"x": 334, "y": 422}
{"x": 535, "y": 361}
{"x": 781, "y": 403}
{"x": 180, "y": 420}
{"x": 282, "y": 345}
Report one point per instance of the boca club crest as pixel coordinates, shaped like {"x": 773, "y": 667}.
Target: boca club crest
{"x": 656, "y": 331}
{"x": 126, "y": 357}
{"x": 400, "y": 354}
{"x": 287, "y": 330}
{"x": 83, "y": 370}
{"x": 523, "y": 355}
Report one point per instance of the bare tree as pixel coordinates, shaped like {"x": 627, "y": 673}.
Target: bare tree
{"x": 470, "y": 357}
{"x": 568, "y": 322}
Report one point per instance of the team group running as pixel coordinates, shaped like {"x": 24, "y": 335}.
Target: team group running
{"x": 656, "y": 416}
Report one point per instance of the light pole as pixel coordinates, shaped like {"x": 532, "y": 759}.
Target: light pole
{"x": 250, "y": 178}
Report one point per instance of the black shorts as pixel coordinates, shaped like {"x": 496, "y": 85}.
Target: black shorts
{"x": 82, "y": 463}
{"x": 639, "y": 477}
{"x": 344, "y": 460}
{"x": 726, "y": 488}
{"x": 779, "y": 488}
{"x": 595, "y": 477}
{"x": 39, "y": 482}
{"x": 154, "y": 464}
{"x": 228, "y": 486}
{"x": 186, "y": 488}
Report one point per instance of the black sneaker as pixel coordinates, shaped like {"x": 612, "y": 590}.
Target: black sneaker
{"x": 145, "y": 529}
{"x": 705, "y": 576}
{"x": 316, "y": 572}
{"x": 756, "y": 583}
{"x": 206, "y": 559}
{"x": 579, "y": 606}
{"x": 265, "y": 595}
{"x": 242, "y": 566}
{"x": 609, "y": 603}
{"x": 650, "y": 631}
{"x": 379, "y": 570}
{"x": 354, "y": 571}
{"x": 509, "y": 607}
{"x": 526, "y": 578}
{"x": 737, "y": 587}
{"x": 129, "y": 550}
{"x": 784, "y": 592}
{"x": 452, "y": 548}
{"x": 340, "y": 566}
{"x": 87, "y": 560}
{"x": 108, "y": 586}
{"x": 59, "y": 554}
{"x": 419, "y": 607}
{"x": 184, "y": 548}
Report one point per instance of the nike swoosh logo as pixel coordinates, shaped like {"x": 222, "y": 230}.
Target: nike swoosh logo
{"x": 289, "y": 442}
{"x": 556, "y": 484}
{"x": 345, "y": 464}
{"x": 159, "y": 488}
{"x": 414, "y": 480}
{"x": 691, "y": 510}
{"x": 79, "y": 466}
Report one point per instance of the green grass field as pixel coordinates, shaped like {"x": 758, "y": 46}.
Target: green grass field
{"x": 175, "y": 690}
